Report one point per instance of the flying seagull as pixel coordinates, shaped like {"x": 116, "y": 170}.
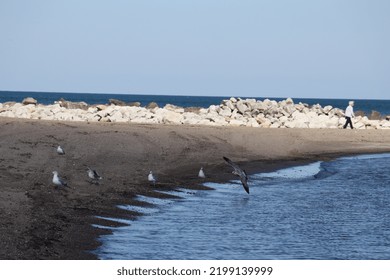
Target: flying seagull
{"x": 151, "y": 178}
{"x": 93, "y": 174}
{"x": 60, "y": 150}
{"x": 201, "y": 173}
{"x": 58, "y": 181}
{"x": 240, "y": 173}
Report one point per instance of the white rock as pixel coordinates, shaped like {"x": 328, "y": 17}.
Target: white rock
{"x": 289, "y": 101}
{"x": 385, "y": 124}
{"x": 235, "y": 114}
{"x": 264, "y": 123}
{"x": 115, "y": 116}
{"x": 138, "y": 120}
{"x": 174, "y": 108}
{"x": 327, "y": 109}
{"x": 204, "y": 122}
{"x": 172, "y": 117}
{"x": 92, "y": 110}
{"x": 290, "y": 109}
{"x": 359, "y": 125}
{"x": 225, "y": 112}
{"x": 241, "y": 107}
{"x": 213, "y": 109}
{"x": 237, "y": 123}
{"x": 312, "y": 115}
{"x": 284, "y": 113}
{"x": 230, "y": 105}
{"x": 252, "y": 123}
{"x": 261, "y": 119}
{"x": 233, "y": 100}
{"x": 221, "y": 121}
{"x": 373, "y": 124}
{"x": 332, "y": 122}
{"x": 203, "y": 111}
{"x": 283, "y": 119}
{"x": 301, "y": 117}
{"x": 191, "y": 118}
{"x": 17, "y": 105}
{"x": 319, "y": 122}
{"x": 267, "y": 102}
{"x": 101, "y": 107}
{"x": 260, "y": 106}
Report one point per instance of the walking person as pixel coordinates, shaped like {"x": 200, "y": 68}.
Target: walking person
{"x": 349, "y": 114}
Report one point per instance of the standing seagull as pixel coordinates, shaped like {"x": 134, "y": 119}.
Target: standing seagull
{"x": 239, "y": 172}
{"x": 60, "y": 150}
{"x": 94, "y": 175}
{"x": 58, "y": 181}
{"x": 151, "y": 178}
{"x": 201, "y": 173}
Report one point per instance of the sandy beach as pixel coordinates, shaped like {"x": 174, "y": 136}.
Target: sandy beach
{"x": 41, "y": 221}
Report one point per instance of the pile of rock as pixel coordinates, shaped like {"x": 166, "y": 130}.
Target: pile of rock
{"x": 232, "y": 112}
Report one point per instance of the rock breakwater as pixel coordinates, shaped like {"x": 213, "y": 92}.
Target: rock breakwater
{"x": 231, "y": 112}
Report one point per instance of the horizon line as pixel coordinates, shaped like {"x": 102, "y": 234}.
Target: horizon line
{"x": 187, "y": 95}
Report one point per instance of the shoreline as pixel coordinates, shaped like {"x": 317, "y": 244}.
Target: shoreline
{"x": 39, "y": 221}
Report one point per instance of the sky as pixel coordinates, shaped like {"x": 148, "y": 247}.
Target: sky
{"x": 273, "y": 48}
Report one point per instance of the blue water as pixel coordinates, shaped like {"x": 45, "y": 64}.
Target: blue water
{"x": 325, "y": 210}
{"x": 367, "y": 106}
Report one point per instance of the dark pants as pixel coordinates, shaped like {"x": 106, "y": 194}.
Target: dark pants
{"x": 348, "y": 121}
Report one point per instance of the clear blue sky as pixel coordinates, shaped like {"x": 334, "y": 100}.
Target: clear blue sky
{"x": 291, "y": 48}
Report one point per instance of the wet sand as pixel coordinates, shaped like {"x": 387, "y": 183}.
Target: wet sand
{"x": 41, "y": 221}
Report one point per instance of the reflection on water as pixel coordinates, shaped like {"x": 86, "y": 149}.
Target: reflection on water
{"x": 325, "y": 210}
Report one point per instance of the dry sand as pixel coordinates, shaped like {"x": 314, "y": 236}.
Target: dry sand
{"x": 40, "y": 221}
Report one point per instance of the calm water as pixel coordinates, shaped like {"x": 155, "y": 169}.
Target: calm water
{"x": 382, "y": 106}
{"x": 325, "y": 210}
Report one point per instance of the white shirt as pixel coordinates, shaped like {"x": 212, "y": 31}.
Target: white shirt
{"x": 349, "y": 112}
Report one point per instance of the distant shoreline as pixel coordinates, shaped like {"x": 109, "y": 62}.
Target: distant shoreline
{"x": 40, "y": 221}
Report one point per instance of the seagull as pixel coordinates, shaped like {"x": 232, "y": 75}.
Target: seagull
{"x": 93, "y": 174}
{"x": 151, "y": 178}
{"x": 239, "y": 172}
{"x": 60, "y": 150}
{"x": 201, "y": 173}
{"x": 58, "y": 181}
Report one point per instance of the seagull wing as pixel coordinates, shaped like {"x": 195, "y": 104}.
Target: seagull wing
{"x": 241, "y": 173}
{"x": 244, "y": 182}
{"x": 236, "y": 168}
{"x": 96, "y": 175}
{"x": 63, "y": 182}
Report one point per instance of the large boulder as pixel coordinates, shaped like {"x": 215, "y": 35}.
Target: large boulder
{"x": 152, "y": 105}
{"x": 134, "y": 104}
{"x": 116, "y": 102}
{"x": 225, "y": 112}
{"x": 72, "y": 105}
{"x": 229, "y": 104}
{"x": 375, "y": 115}
{"x": 242, "y": 107}
{"x": 29, "y": 100}
{"x": 237, "y": 123}
{"x": 385, "y": 124}
{"x": 174, "y": 108}
{"x": 289, "y": 101}
{"x": 172, "y": 117}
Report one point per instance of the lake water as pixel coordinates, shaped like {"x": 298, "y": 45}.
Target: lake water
{"x": 325, "y": 210}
